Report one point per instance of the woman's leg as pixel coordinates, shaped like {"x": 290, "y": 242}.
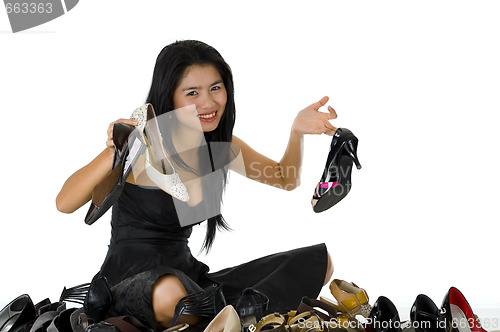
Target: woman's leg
{"x": 329, "y": 269}
{"x": 167, "y": 292}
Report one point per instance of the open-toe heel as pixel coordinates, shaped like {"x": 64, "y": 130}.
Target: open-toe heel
{"x": 335, "y": 182}
{"x": 352, "y": 299}
{"x": 206, "y": 303}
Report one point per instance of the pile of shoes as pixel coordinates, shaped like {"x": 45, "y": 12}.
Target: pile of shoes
{"x": 21, "y": 315}
{"x": 351, "y": 312}
{"x": 455, "y": 315}
{"x": 347, "y": 314}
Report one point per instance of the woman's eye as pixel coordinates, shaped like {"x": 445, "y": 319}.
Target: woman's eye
{"x": 191, "y": 93}
{"x": 216, "y": 87}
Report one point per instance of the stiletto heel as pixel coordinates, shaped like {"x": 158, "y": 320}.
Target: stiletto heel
{"x": 158, "y": 166}
{"x": 351, "y": 151}
{"x": 335, "y": 183}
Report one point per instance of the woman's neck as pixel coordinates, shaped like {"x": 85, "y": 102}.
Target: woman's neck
{"x": 185, "y": 138}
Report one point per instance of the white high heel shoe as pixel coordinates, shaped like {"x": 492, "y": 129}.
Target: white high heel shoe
{"x": 158, "y": 166}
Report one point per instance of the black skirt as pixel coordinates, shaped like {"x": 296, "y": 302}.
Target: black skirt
{"x": 147, "y": 242}
{"x": 284, "y": 277}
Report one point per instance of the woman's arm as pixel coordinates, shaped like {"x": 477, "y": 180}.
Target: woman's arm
{"x": 77, "y": 190}
{"x": 285, "y": 174}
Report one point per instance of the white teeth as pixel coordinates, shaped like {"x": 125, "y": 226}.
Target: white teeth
{"x": 207, "y": 116}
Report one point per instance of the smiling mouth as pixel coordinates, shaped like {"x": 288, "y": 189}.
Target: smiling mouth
{"x": 207, "y": 116}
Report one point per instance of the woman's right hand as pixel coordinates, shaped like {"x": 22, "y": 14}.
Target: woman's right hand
{"x": 109, "y": 142}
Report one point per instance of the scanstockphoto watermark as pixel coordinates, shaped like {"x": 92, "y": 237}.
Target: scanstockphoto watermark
{"x": 460, "y": 324}
{"x": 27, "y": 14}
{"x": 486, "y": 323}
{"x": 267, "y": 173}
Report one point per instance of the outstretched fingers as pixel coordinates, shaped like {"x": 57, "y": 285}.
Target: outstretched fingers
{"x": 317, "y": 105}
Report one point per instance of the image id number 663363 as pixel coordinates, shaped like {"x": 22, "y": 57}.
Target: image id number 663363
{"x": 28, "y": 8}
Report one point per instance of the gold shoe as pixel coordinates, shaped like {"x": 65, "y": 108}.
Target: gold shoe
{"x": 352, "y": 299}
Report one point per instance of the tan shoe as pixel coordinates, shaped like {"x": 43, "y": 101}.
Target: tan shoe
{"x": 352, "y": 299}
{"x": 227, "y": 320}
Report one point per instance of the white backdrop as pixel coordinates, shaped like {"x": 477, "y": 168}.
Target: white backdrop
{"x": 417, "y": 82}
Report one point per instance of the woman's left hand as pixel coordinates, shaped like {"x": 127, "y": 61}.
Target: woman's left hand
{"x": 311, "y": 121}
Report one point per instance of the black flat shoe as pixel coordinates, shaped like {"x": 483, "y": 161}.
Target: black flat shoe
{"x": 17, "y": 315}
{"x": 458, "y": 313}
{"x": 424, "y": 315}
{"x": 384, "y": 317}
{"x": 335, "y": 182}
{"x": 128, "y": 148}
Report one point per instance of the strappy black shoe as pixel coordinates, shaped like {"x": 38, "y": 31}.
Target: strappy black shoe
{"x": 206, "y": 303}
{"x": 251, "y": 306}
{"x": 95, "y": 297}
{"x": 128, "y": 148}
{"x": 335, "y": 183}
{"x": 424, "y": 315}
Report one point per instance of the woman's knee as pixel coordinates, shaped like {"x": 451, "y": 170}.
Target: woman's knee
{"x": 166, "y": 293}
{"x": 329, "y": 269}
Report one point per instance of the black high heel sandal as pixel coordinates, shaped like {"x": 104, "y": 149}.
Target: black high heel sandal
{"x": 335, "y": 183}
{"x": 424, "y": 315}
{"x": 128, "y": 148}
{"x": 206, "y": 303}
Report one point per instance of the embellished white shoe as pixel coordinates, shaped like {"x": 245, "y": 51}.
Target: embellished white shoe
{"x": 158, "y": 166}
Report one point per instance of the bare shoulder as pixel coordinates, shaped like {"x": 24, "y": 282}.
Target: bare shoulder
{"x": 238, "y": 141}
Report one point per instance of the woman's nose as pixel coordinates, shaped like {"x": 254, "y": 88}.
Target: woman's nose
{"x": 207, "y": 102}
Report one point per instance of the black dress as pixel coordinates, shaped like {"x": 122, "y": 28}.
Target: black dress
{"x": 147, "y": 242}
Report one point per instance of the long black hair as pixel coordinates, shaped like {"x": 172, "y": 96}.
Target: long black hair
{"x": 170, "y": 68}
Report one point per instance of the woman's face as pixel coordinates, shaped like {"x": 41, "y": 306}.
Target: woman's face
{"x": 202, "y": 87}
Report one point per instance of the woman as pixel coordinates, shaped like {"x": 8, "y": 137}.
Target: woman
{"x": 149, "y": 264}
